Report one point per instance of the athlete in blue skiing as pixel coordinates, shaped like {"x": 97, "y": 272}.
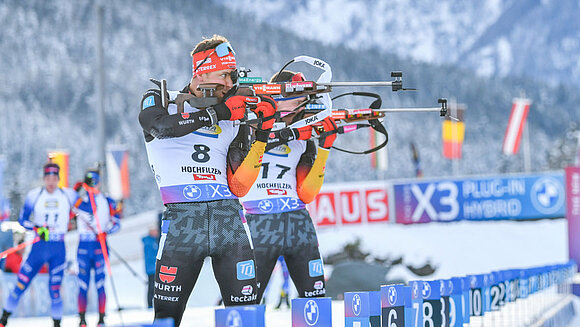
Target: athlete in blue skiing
{"x": 96, "y": 218}
{"x": 292, "y": 174}
{"x": 47, "y": 211}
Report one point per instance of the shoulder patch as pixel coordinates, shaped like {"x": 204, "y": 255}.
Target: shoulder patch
{"x": 148, "y": 102}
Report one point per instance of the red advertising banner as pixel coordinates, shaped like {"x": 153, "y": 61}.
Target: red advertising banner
{"x": 350, "y": 204}
{"x": 573, "y": 212}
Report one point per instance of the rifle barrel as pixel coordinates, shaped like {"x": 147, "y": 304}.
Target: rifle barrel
{"x": 357, "y": 84}
{"x": 408, "y": 109}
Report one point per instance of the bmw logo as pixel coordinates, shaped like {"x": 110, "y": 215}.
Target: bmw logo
{"x": 191, "y": 192}
{"x": 266, "y": 205}
{"x": 392, "y": 295}
{"x": 234, "y": 319}
{"x": 311, "y": 312}
{"x": 356, "y": 304}
{"x": 426, "y": 291}
{"x": 547, "y": 195}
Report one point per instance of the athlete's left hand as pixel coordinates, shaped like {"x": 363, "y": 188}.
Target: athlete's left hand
{"x": 266, "y": 110}
{"x": 42, "y": 232}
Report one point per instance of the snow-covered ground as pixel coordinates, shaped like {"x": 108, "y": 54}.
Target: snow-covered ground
{"x": 454, "y": 248}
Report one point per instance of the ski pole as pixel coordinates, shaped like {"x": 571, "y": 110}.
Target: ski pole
{"x": 18, "y": 247}
{"x": 101, "y": 239}
{"x": 127, "y": 265}
{"x": 117, "y": 254}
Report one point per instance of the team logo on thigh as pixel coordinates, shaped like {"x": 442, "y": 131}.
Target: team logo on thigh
{"x": 315, "y": 268}
{"x": 167, "y": 274}
{"x": 245, "y": 270}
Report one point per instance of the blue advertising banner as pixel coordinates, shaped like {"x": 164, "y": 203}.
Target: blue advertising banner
{"x": 490, "y": 198}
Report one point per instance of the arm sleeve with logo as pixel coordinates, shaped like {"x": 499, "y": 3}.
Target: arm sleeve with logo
{"x": 310, "y": 175}
{"x": 243, "y": 164}
{"x": 158, "y": 123}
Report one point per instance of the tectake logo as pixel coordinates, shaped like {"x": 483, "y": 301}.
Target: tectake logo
{"x": 167, "y": 274}
{"x": 191, "y": 192}
{"x": 247, "y": 290}
{"x": 311, "y": 312}
{"x": 318, "y": 285}
{"x": 547, "y": 195}
{"x": 245, "y": 270}
{"x": 356, "y": 306}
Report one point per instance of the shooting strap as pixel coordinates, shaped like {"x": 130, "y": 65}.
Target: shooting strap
{"x": 373, "y": 123}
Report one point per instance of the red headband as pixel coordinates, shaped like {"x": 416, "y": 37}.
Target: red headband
{"x": 208, "y": 61}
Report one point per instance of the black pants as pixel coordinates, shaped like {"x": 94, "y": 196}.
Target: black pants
{"x": 189, "y": 233}
{"x": 292, "y": 235}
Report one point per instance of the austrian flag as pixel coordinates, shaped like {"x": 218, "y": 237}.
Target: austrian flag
{"x": 513, "y": 133}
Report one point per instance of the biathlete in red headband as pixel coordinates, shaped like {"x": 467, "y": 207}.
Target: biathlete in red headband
{"x": 202, "y": 163}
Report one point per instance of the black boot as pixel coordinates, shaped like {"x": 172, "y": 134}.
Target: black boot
{"x": 56, "y": 322}
{"x": 83, "y": 322}
{"x": 101, "y": 322}
{"x": 283, "y": 298}
{"x": 4, "y": 319}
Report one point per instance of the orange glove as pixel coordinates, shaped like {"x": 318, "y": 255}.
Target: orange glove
{"x": 266, "y": 110}
{"x": 234, "y": 107}
{"x": 329, "y": 134}
{"x": 303, "y": 133}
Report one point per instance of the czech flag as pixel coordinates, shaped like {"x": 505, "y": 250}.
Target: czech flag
{"x": 118, "y": 173}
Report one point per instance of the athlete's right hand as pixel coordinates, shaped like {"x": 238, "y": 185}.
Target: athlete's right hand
{"x": 234, "y": 107}
{"x": 42, "y": 232}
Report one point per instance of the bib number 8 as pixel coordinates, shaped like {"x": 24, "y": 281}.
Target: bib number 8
{"x": 201, "y": 153}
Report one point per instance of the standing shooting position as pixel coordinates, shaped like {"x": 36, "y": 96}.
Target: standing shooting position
{"x": 291, "y": 176}
{"x": 202, "y": 162}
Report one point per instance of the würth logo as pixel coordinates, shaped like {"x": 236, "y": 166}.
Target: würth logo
{"x": 167, "y": 274}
